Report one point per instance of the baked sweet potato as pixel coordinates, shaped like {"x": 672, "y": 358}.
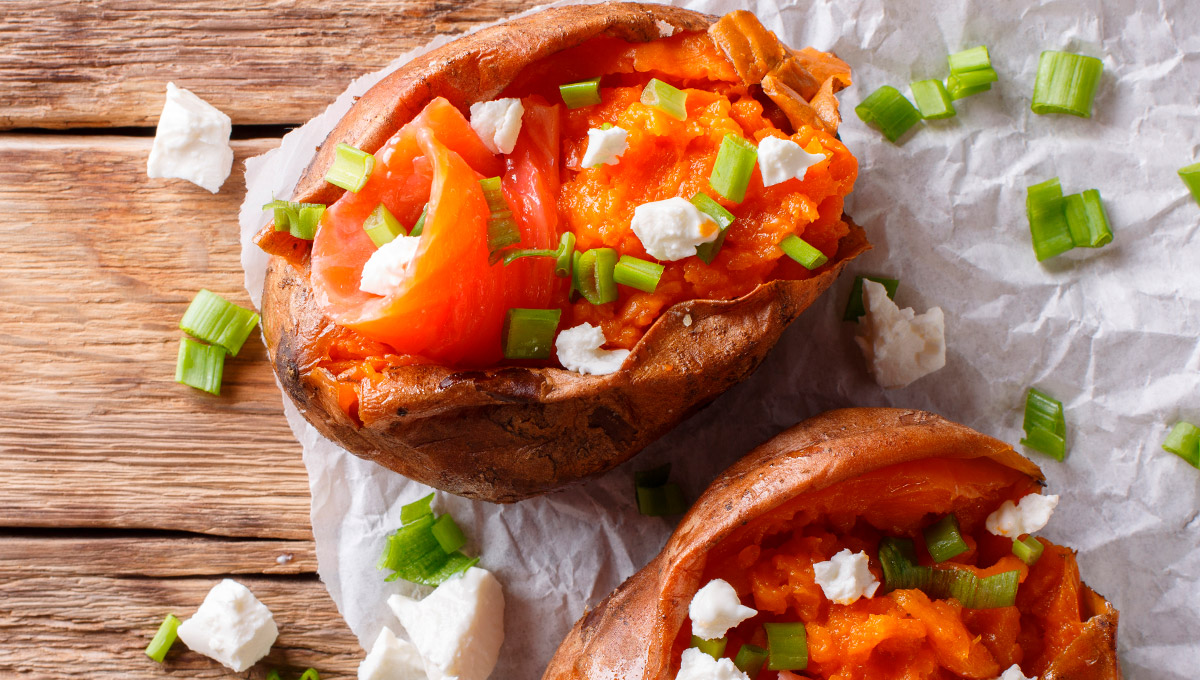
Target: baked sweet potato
{"x": 510, "y": 430}
{"x": 848, "y": 478}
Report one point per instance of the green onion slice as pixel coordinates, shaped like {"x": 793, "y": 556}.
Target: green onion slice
{"x": 448, "y": 535}
{"x": 566, "y": 256}
{"x": 411, "y": 512}
{"x": 957, "y": 88}
{"x": 855, "y": 307}
{"x": 943, "y": 540}
{"x": 217, "y": 321}
{"x": 733, "y": 168}
{"x": 298, "y": 219}
{"x": 580, "y": 94}
{"x": 351, "y": 168}
{"x": 1190, "y": 174}
{"x": 529, "y": 333}
{"x": 420, "y": 225}
{"x": 1044, "y": 424}
{"x": 974, "y": 59}
{"x": 200, "y": 366}
{"x": 659, "y": 501}
{"x": 310, "y": 674}
{"x": 932, "y": 99}
{"x": 707, "y": 252}
{"x": 414, "y": 554}
{"x": 576, "y": 274}
{"x": 750, "y": 660}
{"x": 653, "y": 477}
{"x": 501, "y": 227}
{"x": 801, "y": 251}
{"x": 665, "y": 98}
{"x": 1028, "y": 549}
{"x": 897, "y": 556}
{"x": 1066, "y": 83}
{"x": 1087, "y": 220}
{"x": 511, "y": 256}
{"x": 1044, "y": 205}
{"x": 595, "y": 275}
{"x": 382, "y": 226}
{"x": 1184, "y": 441}
{"x": 638, "y": 273}
{"x": 713, "y": 648}
{"x": 787, "y": 646}
{"x": 272, "y": 675}
{"x": 890, "y": 111}
{"x": 163, "y": 639}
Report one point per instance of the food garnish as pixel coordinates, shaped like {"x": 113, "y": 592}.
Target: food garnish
{"x": 971, "y": 72}
{"x": 163, "y": 639}
{"x": 425, "y": 549}
{"x": 1066, "y": 83}
{"x": 1058, "y": 224}
{"x": 1190, "y": 174}
{"x": 890, "y": 111}
{"x": 1045, "y": 426}
{"x": 1184, "y": 441}
{"x": 656, "y": 496}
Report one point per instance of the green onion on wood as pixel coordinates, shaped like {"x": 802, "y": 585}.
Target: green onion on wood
{"x": 217, "y": 321}
{"x": 200, "y": 366}
{"x": 163, "y": 639}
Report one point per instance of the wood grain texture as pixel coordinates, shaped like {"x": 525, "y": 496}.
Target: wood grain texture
{"x": 105, "y": 63}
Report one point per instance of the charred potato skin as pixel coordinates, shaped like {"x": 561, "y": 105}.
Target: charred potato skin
{"x": 630, "y": 633}
{"x": 509, "y": 433}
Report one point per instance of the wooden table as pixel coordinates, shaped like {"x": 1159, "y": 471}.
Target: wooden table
{"x": 125, "y": 496}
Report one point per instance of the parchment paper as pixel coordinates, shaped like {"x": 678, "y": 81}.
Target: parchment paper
{"x": 1110, "y": 332}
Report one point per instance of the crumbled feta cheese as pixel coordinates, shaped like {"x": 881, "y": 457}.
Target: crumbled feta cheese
{"x": 578, "y": 350}
{"x": 498, "y": 123}
{"x": 605, "y": 146}
{"x": 231, "y": 626}
{"x": 392, "y": 659}
{"x": 191, "y": 141}
{"x": 459, "y": 628}
{"x": 670, "y": 230}
{"x": 1013, "y": 672}
{"x": 782, "y": 159}
{"x": 696, "y": 665}
{"x": 715, "y": 609}
{"x": 387, "y": 267}
{"x": 846, "y": 577}
{"x": 687, "y": 319}
{"x": 1029, "y": 515}
{"x": 898, "y": 345}
{"x": 665, "y": 30}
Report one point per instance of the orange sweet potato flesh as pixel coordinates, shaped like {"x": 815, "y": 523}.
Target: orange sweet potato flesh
{"x": 864, "y": 473}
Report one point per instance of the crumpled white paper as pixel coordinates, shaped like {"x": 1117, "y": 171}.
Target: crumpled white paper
{"x": 1111, "y": 332}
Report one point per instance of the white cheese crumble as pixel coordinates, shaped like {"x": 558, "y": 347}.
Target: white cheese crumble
{"x": 899, "y": 346}
{"x": 459, "y": 628}
{"x": 782, "y": 159}
{"x": 605, "y": 146}
{"x": 715, "y": 609}
{"x": 391, "y": 659}
{"x": 191, "y": 141}
{"x": 1029, "y": 515}
{"x": 670, "y": 230}
{"x": 845, "y": 577}
{"x": 498, "y": 123}
{"x": 687, "y": 319}
{"x": 578, "y": 350}
{"x": 231, "y": 626}
{"x": 1014, "y": 672}
{"x": 387, "y": 267}
{"x": 696, "y": 665}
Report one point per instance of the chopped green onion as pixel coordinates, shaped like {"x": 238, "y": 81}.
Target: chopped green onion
{"x": 351, "y": 168}
{"x": 1066, "y": 83}
{"x": 733, "y": 168}
{"x": 298, "y": 219}
{"x": 967, "y": 83}
{"x": 595, "y": 275}
{"x": 576, "y": 274}
{"x": 1028, "y": 549}
{"x": 855, "y": 307}
{"x": 638, "y": 273}
{"x": 1087, "y": 220}
{"x": 1184, "y": 441}
{"x": 272, "y": 675}
{"x": 420, "y": 225}
{"x": 163, "y": 639}
{"x": 382, "y": 226}
{"x": 665, "y": 98}
{"x": 713, "y": 648}
{"x": 414, "y": 554}
{"x": 1044, "y": 425}
{"x": 447, "y": 533}
{"x": 411, "y": 512}
{"x": 529, "y": 333}
{"x": 943, "y": 540}
{"x": 750, "y": 660}
{"x": 974, "y": 59}
{"x": 511, "y": 256}
{"x": 217, "y": 321}
{"x": 310, "y": 674}
{"x": 897, "y": 556}
{"x": 801, "y": 251}
{"x": 1190, "y": 174}
{"x": 580, "y": 94}
{"x": 1044, "y": 206}
{"x": 659, "y": 501}
{"x": 932, "y": 99}
{"x": 889, "y": 110}
{"x": 787, "y": 646}
{"x": 566, "y": 256}
{"x": 652, "y": 477}
{"x": 200, "y": 366}
{"x": 501, "y": 227}
{"x": 707, "y": 252}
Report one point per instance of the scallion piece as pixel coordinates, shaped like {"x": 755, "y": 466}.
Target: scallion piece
{"x": 310, "y": 674}
{"x": 1028, "y": 549}
{"x": 787, "y": 646}
{"x": 897, "y": 556}
{"x": 411, "y": 512}
{"x": 163, "y": 639}
{"x": 665, "y": 98}
{"x": 801, "y": 251}
{"x": 580, "y": 94}
{"x": 501, "y": 227}
{"x": 529, "y": 333}
{"x": 1066, "y": 83}
{"x": 595, "y": 275}
{"x": 967, "y": 83}
{"x": 707, "y": 252}
{"x": 750, "y": 660}
{"x": 932, "y": 99}
{"x": 217, "y": 321}
{"x": 733, "y": 168}
{"x": 659, "y": 501}
{"x": 511, "y": 256}
{"x": 420, "y": 225}
{"x": 414, "y": 554}
{"x": 1184, "y": 441}
{"x": 974, "y": 59}
{"x": 576, "y": 275}
{"x": 448, "y": 535}
{"x": 1044, "y": 205}
{"x": 855, "y": 307}
{"x": 943, "y": 540}
{"x": 638, "y": 273}
{"x": 351, "y": 168}
{"x": 653, "y": 477}
{"x": 272, "y": 674}
{"x": 200, "y": 366}
{"x": 1087, "y": 220}
{"x": 1044, "y": 424}
{"x": 890, "y": 111}
{"x": 382, "y": 227}
{"x": 566, "y": 256}
{"x": 298, "y": 219}
{"x": 713, "y": 648}
{"x": 1190, "y": 174}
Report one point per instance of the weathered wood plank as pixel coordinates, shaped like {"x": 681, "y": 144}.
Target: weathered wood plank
{"x": 152, "y": 556}
{"x": 99, "y": 264}
{"x": 106, "y": 63}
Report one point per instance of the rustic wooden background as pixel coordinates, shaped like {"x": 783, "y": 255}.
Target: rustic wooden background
{"x": 124, "y": 496}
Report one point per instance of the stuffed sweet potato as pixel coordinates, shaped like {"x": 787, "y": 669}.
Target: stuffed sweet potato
{"x": 438, "y": 362}
{"x": 782, "y": 529}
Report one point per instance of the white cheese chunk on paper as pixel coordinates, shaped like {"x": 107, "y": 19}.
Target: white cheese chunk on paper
{"x": 715, "y": 609}
{"x": 670, "y": 230}
{"x": 1026, "y": 517}
{"x": 782, "y": 159}
{"x": 191, "y": 141}
{"x": 899, "y": 346}
{"x": 458, "y": 628}
{"x": 391, "y": 658}
{"x": 231, "y": 626}
{"x": 578, "y": 349}
{"x": 498, "y": 123}
{"x": 1014, "y": 672}
{"x": 605, "y": 147}
{"x": 846, "y": 577}
{"x": 696, "y": 665}
{"x": 387, "y": 267}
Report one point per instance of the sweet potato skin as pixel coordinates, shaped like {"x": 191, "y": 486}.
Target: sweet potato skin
{"x": 630, "y": 634}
